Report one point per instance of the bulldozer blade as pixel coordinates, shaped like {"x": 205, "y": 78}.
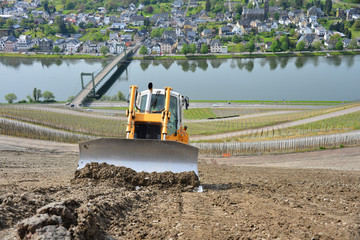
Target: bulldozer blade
{"x": 140, "y": 155}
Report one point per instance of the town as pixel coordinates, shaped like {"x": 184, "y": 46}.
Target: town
{"x": 183, "y": 27}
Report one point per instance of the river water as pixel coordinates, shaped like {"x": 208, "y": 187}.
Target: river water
{"x": 295, "y": 78}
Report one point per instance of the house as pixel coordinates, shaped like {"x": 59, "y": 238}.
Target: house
{"x": 155, "y": 49}
{"x": 169, "y": 34}
{"x": 157, "y": 16}
{"x": 107, "y": 20}
{"x": 351, "y": 12}
{"x": 256, "y": 13}
{"x": 193, "y": 4}
{"x": 307, "y": 39}
{"x": 206, "y": 33}
{"x": 305, "y": 30}
{"x": 115, "y": 47}
{"x": 346, "y": 42}
{"x": 118, "y": 26}
{"x": 330, "y": 44}
{"x": 202, "y": 41}
{"x": 125, "y": 38}
{"x": 89, "y": 47}
{"x": 268, "y": 45}
{"x": 177, "y": 4}
{"x": 274, "y": 25}
{"x": 141, "y": 7}
{"x": 303, "y": 23}
{"x": 132, "y": 7}
{"x": 191, "y": 35}
{"x": 236, "y": 31}
{"x": 327, "y": 35}
{"x": 225, "y": 30}
{"x": 320, "y": 31}
{"x": 314, "y": 11}
{"x": 180, "y": 44}
{"x": 264, "y": 28}
{"x": 45, "y": 45}
{"x": 312, "y": 19}
{"x": 178, "y": 31}
{"x": 10, "y": 44}
{"x": 60, "y": 43}
{"x": 24, "y": 43}
{"x": 2, "y": 43}
{"x": 167, "y": 45}
{"x": 215, "y": 46}
{"x": 101, "y": 9}
{"x": 255, "y": 23}
{"x": 140, "y": 35}
{"x": 137, "y": 20}
{"x": 100, "y": 45}
{"x": 71, "y": 45}
{"x": 114, "y": 36}
{"x": 314, "y": 25}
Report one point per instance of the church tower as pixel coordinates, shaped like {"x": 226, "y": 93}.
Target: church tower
{"x": 266, "y": 9}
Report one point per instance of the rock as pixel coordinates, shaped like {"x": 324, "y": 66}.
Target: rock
{"x": 30, "y": 225}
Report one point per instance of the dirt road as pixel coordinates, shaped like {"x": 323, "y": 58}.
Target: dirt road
{"x": 312, "y": 195}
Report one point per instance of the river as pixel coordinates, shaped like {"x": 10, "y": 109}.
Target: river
{"x": 282, "y": 78}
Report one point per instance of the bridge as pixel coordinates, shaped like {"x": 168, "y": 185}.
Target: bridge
{"x": 96, "y": 80}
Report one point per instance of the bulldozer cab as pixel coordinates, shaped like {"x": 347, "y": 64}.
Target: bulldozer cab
{"x": 156, "y": 105}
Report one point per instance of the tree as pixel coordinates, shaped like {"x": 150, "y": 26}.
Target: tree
{"x": 56, "y": 49}
{"x": 328, "y": 6}
{"x": 59, "y": 22}
{"x": 207, "y": 6}
{"x": 300, "y": 46}
{"x": 275, "y": 46}
{"x": 36, "y": 47}
{"x": 45, "y": 5}
{"x": 37, "y": 94}
{"x": 299, "y": 3}
{"x": 149, "y": 9}
{"x": 10, "y": 98}
{"x": 240, "y": 47}
{"x": 339, "y": 45}
{"x": 353, "y": 44}
{"x": 193, "y": 48}
{"x": 48, "y": 96}
{"x": 235, "y": 39}
{"x": 185, "y": 49}
{"x": 204, "y": 49}
{"x": 276, "y": 16}
{"x": 155, "y": 33}
{"x": 70, "y": 98}
{"x": 284, "y": 46}
{"x": 250, "y": 46}
{"x": 238, "y": 9}
{"x": 357, "y": 25}
{"x": 143, "y": 50}
{"x": 317, "y": 45}
{"x": 121, "y": 96}
{"x": 104, "y": 50}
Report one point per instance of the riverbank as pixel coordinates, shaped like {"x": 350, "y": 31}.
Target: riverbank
{"x": 187, "y": 57}
{"x": 247, "y": 55}
{"x": 43, "y": 55}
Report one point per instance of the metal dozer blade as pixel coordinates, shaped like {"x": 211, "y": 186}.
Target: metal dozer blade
{"x": 140, "y": 155}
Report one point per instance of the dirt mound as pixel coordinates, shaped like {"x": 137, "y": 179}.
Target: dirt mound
{"x": 125, "y": 177}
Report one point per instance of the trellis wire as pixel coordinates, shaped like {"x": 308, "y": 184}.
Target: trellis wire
{"x": 295, "y": 144}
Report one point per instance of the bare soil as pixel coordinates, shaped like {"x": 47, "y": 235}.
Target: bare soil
{"x": 293, "y": 196}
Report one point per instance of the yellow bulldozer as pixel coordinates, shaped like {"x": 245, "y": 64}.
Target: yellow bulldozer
{"x": 156, "y": 140}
